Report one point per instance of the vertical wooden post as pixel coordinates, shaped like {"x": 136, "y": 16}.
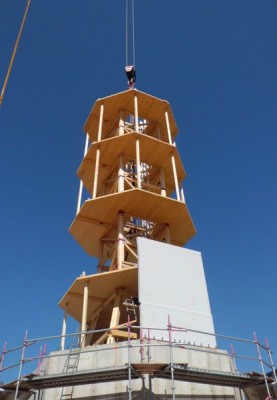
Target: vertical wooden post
{"x": 158, "y": 132}
{"x": 138, "y": 163}
{"x": 81, "y": 182}
{"x": 163, "y": 191}
{"x": 120, "y": 241}
{"x": 120, "y": 183}
{"x": 99, "y": 136}
{"x": 182, "y": 192}
{"x": 121, "y": 124}
{"x": 96, "y": 173}
{"x": 168, "y": 128}
{"x": 136, "y": 113}
{"x": 64, "y": 328}
{"x": 115, "y": 315}
{"x": 84, "y": 316}
{"x": 167, "y": 234}
{"x": 175, "y": 177}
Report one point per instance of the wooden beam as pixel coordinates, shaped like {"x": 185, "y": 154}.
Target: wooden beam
{"x": 136, "y": 113}
{"x": 92, "y": 298}
{"x": 123, "y": 334}
{"x": 175, "y": 177}
{"x": 99, "y": 136}
{"x": 138, "y": 163}
{"x": 121, "y": 124}
{"x": 96, "y": 173}
{"x": 121, "y": 240}
{"x": 84, "y": 316}
{"x": 120, "y": 182}
{"x": 168, "y": 128}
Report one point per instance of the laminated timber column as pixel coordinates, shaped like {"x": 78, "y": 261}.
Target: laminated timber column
{"x": 64, "y": 327}
{"x": 138, "y": 163}
{"x": 97, "y": 159}
{"x": 177, "y": 189}
{"x": 120, "y": 182}
{"x": 163, "y": 191}
{"x": 168, "y": 128}
{"x": 84, "y": 316}
{"x": 136, "y": 113}
{"x": 115, "y": 314}
{"x": 121, "y": 123}
{"x": 120, "y": 241}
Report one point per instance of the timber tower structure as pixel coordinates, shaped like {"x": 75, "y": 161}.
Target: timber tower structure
{"x": 133, "y": 173}
{"x": 146, "y": 328}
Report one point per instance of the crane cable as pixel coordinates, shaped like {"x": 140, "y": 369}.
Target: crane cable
{"x": 14, "y": 52}
{"x": 130, "y": 43}
{"x": 130, "y": 33}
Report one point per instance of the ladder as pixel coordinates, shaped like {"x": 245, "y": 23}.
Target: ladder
{"x": 71, "y": 365}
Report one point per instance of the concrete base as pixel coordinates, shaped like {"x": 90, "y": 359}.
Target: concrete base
{"x": 151, "y": 352}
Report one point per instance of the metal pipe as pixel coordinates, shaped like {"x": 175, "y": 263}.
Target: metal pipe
{"x": 271, "y": 359}
{"x": 129, "y": 360}
{"x": 20, "y": 365}
{"x": 171, "y": 359}
{"x": 261, "y": 363}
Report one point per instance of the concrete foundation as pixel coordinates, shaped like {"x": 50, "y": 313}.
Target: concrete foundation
{"x": 151, "y": 353}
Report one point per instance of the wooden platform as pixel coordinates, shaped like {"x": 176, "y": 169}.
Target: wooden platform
{"x": 98, "y": 215}
{"x": 149, "y": 107}
{"x": 153, "y": 152}
{"x": 101, "y": 286}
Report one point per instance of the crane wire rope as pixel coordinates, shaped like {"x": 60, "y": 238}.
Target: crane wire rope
{"x": 130, "y": 32}
{"x": 130, "y": 61}
{"x": 14, "y": 52}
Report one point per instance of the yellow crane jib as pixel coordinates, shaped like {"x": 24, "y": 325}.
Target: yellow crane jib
{"x": 14, "y": 52}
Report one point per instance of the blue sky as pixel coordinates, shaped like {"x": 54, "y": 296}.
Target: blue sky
{"x": 215, "y": 61}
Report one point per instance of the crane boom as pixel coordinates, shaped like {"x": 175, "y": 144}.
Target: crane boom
{"x": 14, "y": 52}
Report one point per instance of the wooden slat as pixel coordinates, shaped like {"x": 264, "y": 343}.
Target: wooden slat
{"x": 123, "y": 334}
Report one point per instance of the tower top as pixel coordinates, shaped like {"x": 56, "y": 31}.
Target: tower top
{"x": 150, "y": 108}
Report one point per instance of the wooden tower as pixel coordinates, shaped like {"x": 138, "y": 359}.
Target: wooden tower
{"x": 133, "y": 174}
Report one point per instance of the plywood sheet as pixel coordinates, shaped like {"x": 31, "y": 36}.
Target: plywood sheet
{"x": 181, "y": 292}
{"x": 96, "y": 214}
{"x": 149, "y": 107}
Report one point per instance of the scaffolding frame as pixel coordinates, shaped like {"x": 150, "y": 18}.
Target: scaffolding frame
{"x": 172, "y": 371}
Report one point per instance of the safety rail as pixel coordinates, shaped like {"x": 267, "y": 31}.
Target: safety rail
{"x": 146, "y": 342}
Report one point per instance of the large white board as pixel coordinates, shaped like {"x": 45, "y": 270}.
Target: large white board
{"x": 172, "y": 285}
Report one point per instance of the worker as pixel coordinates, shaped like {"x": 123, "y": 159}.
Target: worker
{"x": 131, "y": 75}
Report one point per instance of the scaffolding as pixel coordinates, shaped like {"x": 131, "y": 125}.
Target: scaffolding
{"x": 172, "y": 368}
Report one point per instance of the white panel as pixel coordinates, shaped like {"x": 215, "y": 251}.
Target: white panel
{"x": 172, "y": 284}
